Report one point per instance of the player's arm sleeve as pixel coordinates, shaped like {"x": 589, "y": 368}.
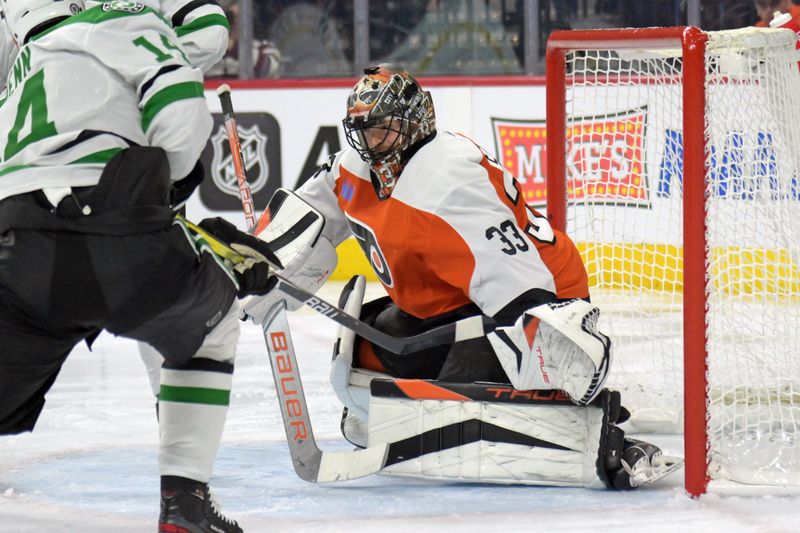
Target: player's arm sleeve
{"x": 8, "y": 50}
{"x": 144, "y": 50}
{"x": 201, "y": 27}
{"x": 320, "y": 193}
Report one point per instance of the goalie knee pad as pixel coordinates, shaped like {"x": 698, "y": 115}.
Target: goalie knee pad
{"x": 351, "y": 385}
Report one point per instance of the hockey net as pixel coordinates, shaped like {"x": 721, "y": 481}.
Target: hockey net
{"x": 680, "y": 151}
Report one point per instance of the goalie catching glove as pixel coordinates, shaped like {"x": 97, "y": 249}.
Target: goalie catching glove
{"x": 555, "y": 346}
{"x": 253, "y": 274}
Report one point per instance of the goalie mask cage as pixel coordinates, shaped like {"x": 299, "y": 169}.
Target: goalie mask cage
{"x": 672, "y": 162}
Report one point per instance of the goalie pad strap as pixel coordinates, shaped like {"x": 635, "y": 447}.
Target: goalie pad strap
{"x": 417, "y": 389}
{"x": 460, "y": 434}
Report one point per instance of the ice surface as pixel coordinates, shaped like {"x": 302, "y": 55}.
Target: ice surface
{"x": 90, "y": 466}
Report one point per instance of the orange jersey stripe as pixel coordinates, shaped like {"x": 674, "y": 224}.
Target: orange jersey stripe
{"x": 405, "y": 236}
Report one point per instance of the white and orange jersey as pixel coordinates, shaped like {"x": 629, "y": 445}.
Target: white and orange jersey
{"x": 455, "y": 231}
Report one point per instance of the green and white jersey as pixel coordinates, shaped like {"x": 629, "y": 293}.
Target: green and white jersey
{"x": 91, "y": 86}
{"x": 201, "y": 27}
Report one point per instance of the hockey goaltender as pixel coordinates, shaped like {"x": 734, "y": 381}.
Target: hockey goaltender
{"x": 449, "y": 236}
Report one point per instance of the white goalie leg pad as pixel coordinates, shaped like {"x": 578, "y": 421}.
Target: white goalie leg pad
{"x": 556, "y": 346}
{"x": 554, "y": 445}
{"x": 351, "y": 385}
{"x": 293, "y": 229}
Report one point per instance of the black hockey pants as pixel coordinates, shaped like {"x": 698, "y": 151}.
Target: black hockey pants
{"x": 60, "y": 287}
{"x": 462, "y": 362}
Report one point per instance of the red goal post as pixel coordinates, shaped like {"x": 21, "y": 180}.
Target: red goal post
{"x": 650, "y": 131}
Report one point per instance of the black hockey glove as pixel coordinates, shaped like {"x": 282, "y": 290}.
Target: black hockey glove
{"x": 254, "y": 273}
{"x": 182, "y": 189}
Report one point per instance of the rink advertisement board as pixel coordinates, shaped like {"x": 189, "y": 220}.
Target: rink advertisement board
{"x": 604, "y": 156}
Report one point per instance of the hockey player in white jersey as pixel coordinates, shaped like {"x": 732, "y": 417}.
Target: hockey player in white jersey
{"x": 102, "y": 121}
{"x": 449, "y": 235}
{"x": 201, "y": 27}
{"x": 202, "y": 30}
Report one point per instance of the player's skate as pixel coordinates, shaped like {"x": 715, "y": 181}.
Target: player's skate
{"x": 193, "y": 511}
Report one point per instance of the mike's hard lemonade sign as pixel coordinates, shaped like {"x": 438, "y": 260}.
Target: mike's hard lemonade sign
{"x": 604, "y": 157}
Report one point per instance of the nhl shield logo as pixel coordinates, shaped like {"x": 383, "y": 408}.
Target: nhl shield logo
{"x": 254, "y": 143}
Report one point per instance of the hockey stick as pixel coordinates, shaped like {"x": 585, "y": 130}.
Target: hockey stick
{"x": 460, "y": 330}
{"x": 224, "y": 93}
{"x": 310, "y": 463}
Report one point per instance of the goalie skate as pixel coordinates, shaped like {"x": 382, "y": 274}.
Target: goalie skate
{"x": 644, "y": 463}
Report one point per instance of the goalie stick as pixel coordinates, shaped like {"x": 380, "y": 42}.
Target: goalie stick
{"x": 460, "y": 330}
{"x": 310, "y": 462}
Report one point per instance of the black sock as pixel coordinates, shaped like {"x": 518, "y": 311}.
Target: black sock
{"x": 177, "y": 483}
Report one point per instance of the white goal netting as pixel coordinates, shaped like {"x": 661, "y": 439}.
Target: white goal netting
{"x": 624, "y": 164}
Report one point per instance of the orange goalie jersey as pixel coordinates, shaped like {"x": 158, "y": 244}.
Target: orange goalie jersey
{"x": 455, "y": 231}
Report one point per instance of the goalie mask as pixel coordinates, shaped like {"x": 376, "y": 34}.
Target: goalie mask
{"x": 387, "y": 113}
{"x": 22, "y": 17}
